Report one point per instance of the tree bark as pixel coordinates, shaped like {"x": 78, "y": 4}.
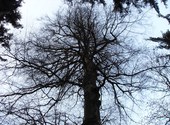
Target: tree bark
{"x": 91, "y": 97}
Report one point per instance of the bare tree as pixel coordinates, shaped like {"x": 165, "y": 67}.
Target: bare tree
{"x": 160, "y": 110}
{"x": 158, "y": 106}
{"x": 74, "y": 61}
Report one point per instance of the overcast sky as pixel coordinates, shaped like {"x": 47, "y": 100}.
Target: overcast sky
{"x": 32, "y": 10}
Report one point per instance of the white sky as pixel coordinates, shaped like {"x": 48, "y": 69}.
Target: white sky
{"x": 32, "y": 10}
{"x": 159, "y": 24}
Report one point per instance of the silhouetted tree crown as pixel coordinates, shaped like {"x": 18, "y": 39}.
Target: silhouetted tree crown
{"x": 78, "y": 57}
{"x": 9, "y": 14}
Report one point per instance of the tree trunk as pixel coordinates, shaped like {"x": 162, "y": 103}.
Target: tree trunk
{"x": 91, "y": 97}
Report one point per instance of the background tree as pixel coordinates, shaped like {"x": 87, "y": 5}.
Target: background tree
{"x": 160, "y": 110}
{"x": 9, "y": 14}
{"x": 76, "y": 60}
{"x": 158, "y": 106}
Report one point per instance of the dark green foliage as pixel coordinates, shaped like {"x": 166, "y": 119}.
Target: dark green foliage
{"x": 124, "y": 5}
{"x": 9, "y": 14}
{"x": 164, "y": 40}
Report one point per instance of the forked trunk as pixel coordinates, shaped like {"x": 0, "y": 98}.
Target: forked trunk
{"x": 91, "y": 97}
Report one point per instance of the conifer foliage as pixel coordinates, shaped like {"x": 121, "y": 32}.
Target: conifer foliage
{"x": 164, "y": 40}
{"x": 9, "y": 14}
{"x": 124, "y": 5}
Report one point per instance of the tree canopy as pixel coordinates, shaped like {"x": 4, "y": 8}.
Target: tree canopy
{"x": 124, "y": 5}
{"x": 9, "y": 14}
{"x": 80, "y": 57}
